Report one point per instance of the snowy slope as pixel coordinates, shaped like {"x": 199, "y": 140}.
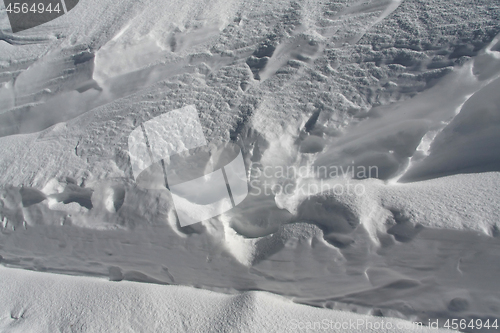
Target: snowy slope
{"x": 40, "y": 302}
{"x": 406, "y": 86}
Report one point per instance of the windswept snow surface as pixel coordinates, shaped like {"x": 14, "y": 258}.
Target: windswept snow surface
{"x": 40, "y": 302}
{"x": 407, "y": 87}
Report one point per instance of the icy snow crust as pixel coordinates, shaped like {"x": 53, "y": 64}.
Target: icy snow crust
{"x": 407, "y": 86}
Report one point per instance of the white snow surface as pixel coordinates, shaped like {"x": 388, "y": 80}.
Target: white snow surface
{"x": 41, "y": 302}
{"x": 407, "y": 86}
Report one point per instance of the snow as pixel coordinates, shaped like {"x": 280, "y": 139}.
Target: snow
{"x": 41, "y": 302}
{"x": 474, "y": 133}
{"x": 409, "y": 87}
{"x": 321, "y": 249}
